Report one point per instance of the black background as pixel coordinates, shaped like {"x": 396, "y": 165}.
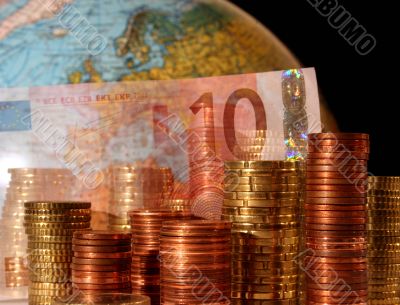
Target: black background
{"x": 361, "y": 91}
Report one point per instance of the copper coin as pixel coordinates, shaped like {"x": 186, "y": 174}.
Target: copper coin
{"x": 338, "y": 149}
{"x": 334, "y": 286}
{"x": 333, "y": 194}
{"x": 93, "y": 234}
{"x": 102, "y": 249}
{"x": 337, "y": 181}
{"x": 336, "y": 214}
{"x": 104, "y": 286}
{"x": 316, "y": 208}
{"x": 350, "y": 201}
{"x": 336, "y": 246}
{"x": 338, "y": 227}
{"x": 336, "y": 239}
{"x": 331, "y": 279}
{"x": 338, "y": 135}
{"x": 347, "y": 267}
{"x": 333, "y": 168}
{"x": 338, "y": 155}
{"x": 350, "y": 176}
{"x": 101, "y": 261}
{"x": 336, "y": 221}
{"x": 100, "y": 268}
{"x": 101, "y": 280}
{"x": 340, "y": 253}
{"x": 98, "y": 274}
{"x": 350, "y": 299}
{"x": 338, "y": 294}
{"x": 344, "y": 188}
{"x": 93, "y": 242}
{"x": 337, "y": 141}
{"x": 102, "y": 255}
{"x": 341, "y": 233}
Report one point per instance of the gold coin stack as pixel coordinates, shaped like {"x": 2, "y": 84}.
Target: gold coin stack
{"x": 182, "y": 205}
{"x": 26, "y": 184}
{"x": 134, "y": 188}
{"x": 256, "y": 145}
{"x": 383, "y": 240}
{"x": 50, "y": 226}
{"x": 262, "y": 201}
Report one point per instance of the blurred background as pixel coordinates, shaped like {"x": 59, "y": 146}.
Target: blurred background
{"x": 361, "y": 91}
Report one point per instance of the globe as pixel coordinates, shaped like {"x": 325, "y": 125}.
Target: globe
{"x": 43, "y": 42}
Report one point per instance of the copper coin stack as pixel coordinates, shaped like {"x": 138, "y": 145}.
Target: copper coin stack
{"x": 145, "y": 227}
{"x": 26, "y": 184}
{"x": 135, "y": 188}
{"x": 335, "y": 260}
{"x": 49, "y": 226}
{"x": 101, "y": 262}
{"x": 384, "y": 240}
{"x": 182, "y": 204}
{"x": 206, "y": 171}
{"x": 262, "y": 201}
{"x": 195, "y": 262}
{"x": 105, "y": 299}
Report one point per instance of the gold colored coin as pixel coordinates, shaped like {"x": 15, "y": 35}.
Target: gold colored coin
{"x": 51, "y": 286}
{"x": 49, "y": 259}
{"x": 56, "y": 226}
{"x": 261, "y": 203}
{"x": 261, "y": 195}
{"x": 49, "y": 266}
{"x": 50, "y": 246}
{"x": 265, "y": 233}
{"x": 46, "y": 232}
{"x": 261, "y": 164}
{"x": 265, "y": 295}
{"x": 62, "y": 212}
{"x": 384, "y": 179}
{"x": 50, "y": 292}
{"x": 263, "y": 172}
{"x": 49, "y": 239}
{"x": 57, "y": 205}
{"x": 56, "y": 218}
{"x": 259, "y": 211}
{"x": 272, "y": 220}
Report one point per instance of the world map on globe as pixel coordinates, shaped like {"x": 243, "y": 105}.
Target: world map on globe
{"x": 143, "y": 39}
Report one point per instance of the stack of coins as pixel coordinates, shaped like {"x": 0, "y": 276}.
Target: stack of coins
{"x": 250, "y": 145}
{"x": 195, "y": 262}
{"x": 135, "y": 188}
{"x": 335, "y": 261}
{"x": 106, "y": 299}
{"x": 145, "y": 226}
{"x": 101, "y": 262}
{"x": 262, "y": 200}
{"x": 26, "y": 184}
{"x": 384, "y": 240}
{"x": 184, "y": 205}
{"x": 206, "y": 172}
{"x": 49, "y": 226}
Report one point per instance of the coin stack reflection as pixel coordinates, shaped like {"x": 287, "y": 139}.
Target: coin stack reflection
{"x": 206, "y": 170}
{"x": 262, "y": 201}
{"x": 384, "y": 240}
{"x": 135, "y": 188}
{"x": 145, "y": 227}
{"x": 101, "y": 262}
{"x": 195, "y": 262}
{"x": 335, "y": 224}
{"x": 26, "y": 184}
{"x": 49, "y": 226}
